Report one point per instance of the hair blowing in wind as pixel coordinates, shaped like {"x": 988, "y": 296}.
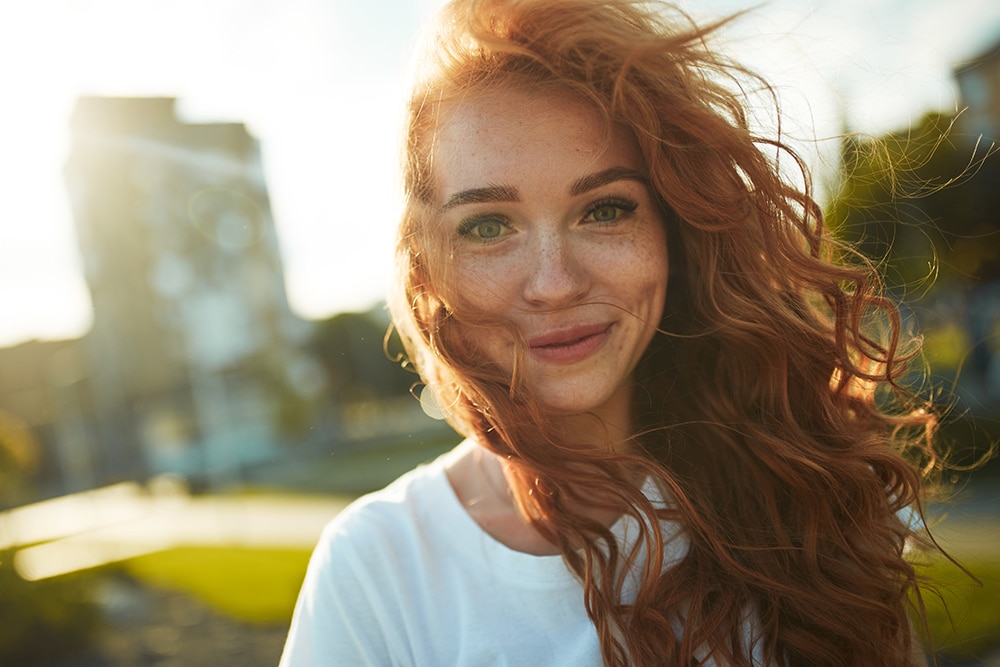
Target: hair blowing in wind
{"x": 769, "y": 407}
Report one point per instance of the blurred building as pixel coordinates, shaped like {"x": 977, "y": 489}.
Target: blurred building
{"x": 979, "y": 85}
{"x": 193, "y": 341}
{"x": 195, "y": 364}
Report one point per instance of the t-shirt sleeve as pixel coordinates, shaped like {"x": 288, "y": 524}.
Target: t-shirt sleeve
{"x": 337, "y": 620}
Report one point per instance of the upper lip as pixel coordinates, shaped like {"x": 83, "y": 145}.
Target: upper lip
{"x": 568, "y": 334}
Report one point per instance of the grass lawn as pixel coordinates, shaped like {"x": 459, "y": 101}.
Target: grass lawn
{"x": 253, "y": 585}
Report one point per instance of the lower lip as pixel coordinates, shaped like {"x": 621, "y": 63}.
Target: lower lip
{"x": 574, "y": 352}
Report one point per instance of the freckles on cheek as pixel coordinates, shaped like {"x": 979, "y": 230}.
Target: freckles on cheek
{"x": 479, "y": 289}
{"x": 640, "y": 267}
{"x": 485, "y": 343}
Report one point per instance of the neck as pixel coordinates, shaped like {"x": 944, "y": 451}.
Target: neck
{"x": 485, "y": 482}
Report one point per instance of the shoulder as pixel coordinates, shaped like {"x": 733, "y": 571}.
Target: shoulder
{"x": 397, "y": 515}
{"x": 349, "y": 610}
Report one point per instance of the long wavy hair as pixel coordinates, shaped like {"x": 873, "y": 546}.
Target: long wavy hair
{"x": 769, "y": 408}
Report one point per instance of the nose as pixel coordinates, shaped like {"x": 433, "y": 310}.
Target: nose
{"x": 559, "y": 278}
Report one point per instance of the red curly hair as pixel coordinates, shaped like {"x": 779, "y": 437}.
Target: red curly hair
{"x": 768, "y": 407}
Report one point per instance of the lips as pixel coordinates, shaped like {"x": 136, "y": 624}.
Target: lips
{"x": 571, "y": 344}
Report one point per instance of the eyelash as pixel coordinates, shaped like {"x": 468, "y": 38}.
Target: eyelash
{"x": 467, "y": 226}
{"x": 625, "y": 205}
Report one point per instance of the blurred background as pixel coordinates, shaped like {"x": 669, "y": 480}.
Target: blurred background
{"x": 198, "y": 206}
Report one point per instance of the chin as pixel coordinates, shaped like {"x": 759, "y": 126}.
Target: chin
{"x": 563, "y": 401}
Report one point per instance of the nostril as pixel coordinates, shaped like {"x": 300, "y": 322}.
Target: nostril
{"x": 558, "y": 278}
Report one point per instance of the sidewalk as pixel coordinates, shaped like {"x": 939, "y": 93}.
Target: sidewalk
{"x": 115, "y": 523}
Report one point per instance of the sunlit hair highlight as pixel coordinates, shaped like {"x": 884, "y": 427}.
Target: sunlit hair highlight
{"x": 770, "y": 407}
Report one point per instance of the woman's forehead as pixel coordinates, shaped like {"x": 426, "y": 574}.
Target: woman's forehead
{"x": 504, "y": 133}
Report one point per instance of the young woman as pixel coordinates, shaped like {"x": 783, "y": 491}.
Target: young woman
{"x": 684, "y": 430}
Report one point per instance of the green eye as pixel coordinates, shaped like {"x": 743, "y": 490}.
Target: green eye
{"x": 610, "y": 211}
{"x": 489, "y": 229}
{"x": 606, "y": 213}
{"x": 483, "y": 229}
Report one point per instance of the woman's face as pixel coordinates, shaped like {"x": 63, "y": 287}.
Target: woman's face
{"x": 554, "y": 233}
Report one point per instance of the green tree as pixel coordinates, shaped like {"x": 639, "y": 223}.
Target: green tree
{"x": 922, "y": 204}
{"x": 40, "y": 622}
{"x": 351, "y": 348}
{"x": 19, "y": 457}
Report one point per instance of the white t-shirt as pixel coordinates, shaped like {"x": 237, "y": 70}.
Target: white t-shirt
{"x": 405, "y": 576}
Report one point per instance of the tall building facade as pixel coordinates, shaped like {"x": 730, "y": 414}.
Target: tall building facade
{"x": 193, "y": 342}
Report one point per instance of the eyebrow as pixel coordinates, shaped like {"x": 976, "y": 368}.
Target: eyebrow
{"x": 491, "y": 193}
{"x": 508, "y": 193}
{"x": 594, "y": 181}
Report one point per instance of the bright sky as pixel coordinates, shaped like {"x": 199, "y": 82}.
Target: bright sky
{"x": 321, "y": 82}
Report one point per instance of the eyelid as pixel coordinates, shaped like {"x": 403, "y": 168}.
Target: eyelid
{"x": 466, "y": 225}
{"x": 626, "y": 204}
{"x": 466, "y": 228}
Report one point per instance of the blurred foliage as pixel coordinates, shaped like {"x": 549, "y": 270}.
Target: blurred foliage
{"x": 253, "y": 585}
{"x": 922, "y": 204}
{"x": 45, "y": 621}
{"x": 293, "y": 413}
{"x": 947, "y": 345}
{"x": 963, "y": 616}
{"x": 351, "y": 348}
{"x": 19, "y": 458}
{"x": 292, "y": 395}
{"x": 367, "y": 469}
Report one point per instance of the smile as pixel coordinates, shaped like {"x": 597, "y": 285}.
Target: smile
{"x": 567, "y": 346}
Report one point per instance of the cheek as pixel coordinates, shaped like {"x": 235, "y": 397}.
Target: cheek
{"x": 658, "y": 257}
{"x": 660, "y": 274}
{"x": 478, "y": 343}
{"x": 482, "y": 310}
{"x": 469, "y": 288}
{"x": 483, "y": 289}
{"x": 642, "y": 270}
